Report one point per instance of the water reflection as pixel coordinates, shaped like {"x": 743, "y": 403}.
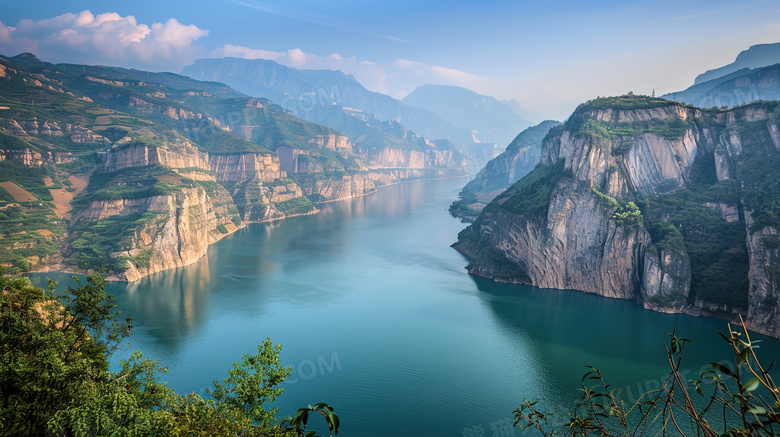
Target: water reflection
{"x": 262, "y": 264}
{"x": 179, "y": 301}
{"x": 571, "y": 329}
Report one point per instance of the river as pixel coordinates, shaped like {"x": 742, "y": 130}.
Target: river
{"x": 378, "y": 318}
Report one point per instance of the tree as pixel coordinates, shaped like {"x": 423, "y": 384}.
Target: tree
{"x": 253, "y": 382}
{"x": 743, "y": 401}
{"x": 54, "y": 374}
{"x": 54, "y": 347}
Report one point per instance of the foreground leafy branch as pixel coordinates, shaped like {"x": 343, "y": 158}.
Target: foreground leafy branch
{"x": 743, "y": 401}
{"x": 55, "y": 378}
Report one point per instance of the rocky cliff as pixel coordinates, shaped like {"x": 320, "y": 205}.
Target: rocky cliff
{"x": 644, "y": 199}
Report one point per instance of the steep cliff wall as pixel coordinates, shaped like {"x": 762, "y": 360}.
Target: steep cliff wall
{"x": 643, "y": 199}
{"x": 574, "y": 245}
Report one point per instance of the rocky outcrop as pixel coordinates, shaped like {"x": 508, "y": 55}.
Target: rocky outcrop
{"x": 569, "y": 224}
{"x": 331, "y": 142}
{"x": 292, "y": 161}
{"x": 25, "y": 157}
{"x": 261, "y": 201}
{"x": 575, "y": 246}
{"x": 666, "y": 281}
{"x": 141, "y": 155}
{"x": 729, "y": 213}
{"x": 104, "y": 209}
{"x": 32, "y": 127}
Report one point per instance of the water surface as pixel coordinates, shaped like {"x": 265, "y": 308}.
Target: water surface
{"x": 378, "y": 318}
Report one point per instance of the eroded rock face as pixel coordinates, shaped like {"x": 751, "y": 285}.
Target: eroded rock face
{"x": 246, "y": 166}
{"x": 25, "y": 157}
{"x": 575, "y": 246}
{"x": 764, "y": 306}
{"x": 226, "y": 168}
{"x": 580, "y": 241}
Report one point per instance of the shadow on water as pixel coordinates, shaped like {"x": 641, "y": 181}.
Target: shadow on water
{"x": 572, "y": 329}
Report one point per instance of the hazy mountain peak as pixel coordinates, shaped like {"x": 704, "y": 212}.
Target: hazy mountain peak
{"x": 760, "y": 55}
{"x": 489, "y": 120}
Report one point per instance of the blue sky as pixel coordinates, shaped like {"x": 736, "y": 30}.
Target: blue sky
{"x": 548, "y": 55}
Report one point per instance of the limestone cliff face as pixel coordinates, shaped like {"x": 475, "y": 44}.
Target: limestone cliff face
{"x": 240, "y": 188}
{"x": 331, "y": 142}
{"x": 666, "y": 281}
{"x": 185, "y": 223}
{"x": 260, "y": 201}
{"x": 245, "y": 166}
{"x": 407, "y": 158}
{"x": 568, "y": 224}
{"x": 329, "y": 189}
{"x": 181, "y": 155}
{"x": 25, "y": 157}
{"x": 323, "y": 179}
{"x": 226, "y": 168}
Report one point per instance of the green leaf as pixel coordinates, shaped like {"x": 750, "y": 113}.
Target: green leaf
{"x": 723, "y": 369}
{"x": 752, "y": 384}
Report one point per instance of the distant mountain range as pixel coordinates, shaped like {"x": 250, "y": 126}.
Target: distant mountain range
{"x": 474, "y": 123}
{"x": 489, "y": 120}
{"x": 754, "y": 75}
{"x": 738, "y": 88}
{"x": 312, "y": 95}
{"x": 760, "y": 55}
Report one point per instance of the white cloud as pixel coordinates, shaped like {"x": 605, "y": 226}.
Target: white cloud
{"x": 397, "y": 78}
{"x": 107, "y": 38}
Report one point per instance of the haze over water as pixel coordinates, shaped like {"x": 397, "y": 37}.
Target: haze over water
{"x": 379, "y": 319}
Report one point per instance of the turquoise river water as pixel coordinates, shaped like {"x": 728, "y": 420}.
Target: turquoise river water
{"x": 378, "y": 318}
